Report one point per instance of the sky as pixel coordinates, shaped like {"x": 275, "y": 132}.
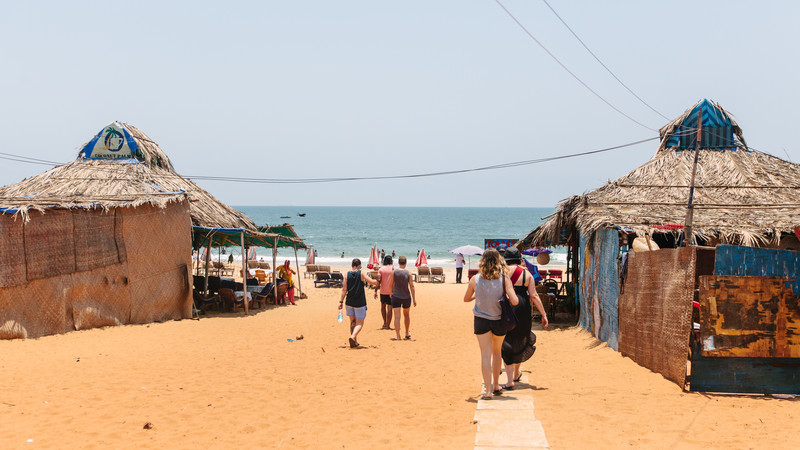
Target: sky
{"x": 357, "y": 88}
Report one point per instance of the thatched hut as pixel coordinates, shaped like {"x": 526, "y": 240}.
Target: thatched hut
{"x": 90, "y": 244}
{"x": 741, "y": 196}
{"x": 746, "y": 336}
{"x": 103, "y": 240}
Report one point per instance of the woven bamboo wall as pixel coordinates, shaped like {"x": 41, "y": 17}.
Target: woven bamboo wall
{"x": 655, "y": 310}
{"x": 96, "y": 285}
{"x": 158, "y": 245}
{"x": 12, "y": 269}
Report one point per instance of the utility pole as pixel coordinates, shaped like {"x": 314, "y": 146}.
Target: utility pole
{"x": 688, "y": 235}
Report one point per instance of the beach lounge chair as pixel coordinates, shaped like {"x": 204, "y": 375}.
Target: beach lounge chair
{"x": 229, "y": 300}
{"x": 423, "y": 274}
{"x": 310, "y": 269}
{"x": 437, "y": 274}
{"x": 322, "y": 279}
{"x": 336, "y": 280}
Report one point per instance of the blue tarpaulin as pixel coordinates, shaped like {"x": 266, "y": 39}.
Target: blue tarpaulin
{"x": 717, "y": 130}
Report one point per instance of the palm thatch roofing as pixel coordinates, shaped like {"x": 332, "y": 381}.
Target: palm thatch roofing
{"x": 742, "y": 196}
{"x": 145, "y": 176}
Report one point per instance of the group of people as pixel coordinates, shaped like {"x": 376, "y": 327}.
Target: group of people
{"x": 499, "y": 275}
{"x": 397, "y": 293}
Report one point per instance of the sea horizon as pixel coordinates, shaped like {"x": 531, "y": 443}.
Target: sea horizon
{"x": 354, "y": 230}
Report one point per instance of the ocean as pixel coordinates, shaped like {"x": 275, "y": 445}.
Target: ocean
{"x": 351, "y": 230}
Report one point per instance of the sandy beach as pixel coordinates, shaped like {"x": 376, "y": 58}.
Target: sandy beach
{"x": 234, "y": 381}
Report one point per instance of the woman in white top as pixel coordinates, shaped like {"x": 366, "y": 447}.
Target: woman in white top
{"x": 487, "y": 288}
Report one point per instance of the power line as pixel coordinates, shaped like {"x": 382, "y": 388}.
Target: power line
{"x": 569, "y": 71}
{"x": 387, "y": 177}
{"x": 601, "y": 62}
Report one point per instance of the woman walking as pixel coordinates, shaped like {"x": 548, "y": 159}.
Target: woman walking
{"x": 487, "y": 288}
{"x": 518, "y": 345}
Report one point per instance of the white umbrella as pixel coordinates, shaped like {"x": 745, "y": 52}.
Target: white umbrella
{"x": 468, "y": 250}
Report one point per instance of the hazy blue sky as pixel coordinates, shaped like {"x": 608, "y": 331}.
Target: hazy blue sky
{"x": 287, "y": 89}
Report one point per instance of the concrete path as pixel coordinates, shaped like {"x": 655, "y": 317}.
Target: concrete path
{"x": 507, "y": 421}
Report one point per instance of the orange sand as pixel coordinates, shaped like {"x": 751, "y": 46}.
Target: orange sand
{"x": 236, "y": 382}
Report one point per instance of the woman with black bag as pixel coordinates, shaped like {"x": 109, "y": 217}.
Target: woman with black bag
{"x": 488, "y": 288}
{"x": 518, "y": 345}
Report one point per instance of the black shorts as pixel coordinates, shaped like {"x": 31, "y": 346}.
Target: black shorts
{"x": 401, "y": 302}
{"x": 482, "y": 326}
{"x": 386, "y": 299}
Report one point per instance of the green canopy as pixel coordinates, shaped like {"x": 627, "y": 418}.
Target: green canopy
{"x": 288, "y": 237}
{"x": 232, "y": 237}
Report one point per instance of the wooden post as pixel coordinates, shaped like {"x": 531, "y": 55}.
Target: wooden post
{"x": 244, "y": 275}
{"x": 297, "y": 265}
{"x": 688, "y": 234}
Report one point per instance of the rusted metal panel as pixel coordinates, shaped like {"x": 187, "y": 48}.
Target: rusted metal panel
{"x": 656, "y": 310}
{"x": 598, "y": 290}
{"x": 749, "y": 317}
{"x": 758, "y": 262}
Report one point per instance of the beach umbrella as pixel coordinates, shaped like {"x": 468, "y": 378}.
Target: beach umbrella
{"x": 310, "y": 255}
{"x": 205, "y": 254}
{"x": 422, "y": 260}
{"x": 468, "y": 250}
{"x": 373, "y": 259}
{"x": 251, "y": 254}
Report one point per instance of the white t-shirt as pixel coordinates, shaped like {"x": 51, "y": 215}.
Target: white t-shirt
{"x": 459, "y": 260}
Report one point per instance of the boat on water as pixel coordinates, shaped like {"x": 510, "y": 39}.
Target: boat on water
{"x": 301, "y": 214}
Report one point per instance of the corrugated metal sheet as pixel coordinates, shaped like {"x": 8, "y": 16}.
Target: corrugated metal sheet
{"x": 758, "y": 262}
{"x": 656, "y": 310}
{"x": 598, "y": 290}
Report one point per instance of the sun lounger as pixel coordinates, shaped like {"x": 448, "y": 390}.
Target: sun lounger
{"x": 336, "y": 280}
{"x": 423, "y": 274}
{"x": 310, "y": 269}
{"x": 322, "y": 279}
{"x": 437, "y": 275}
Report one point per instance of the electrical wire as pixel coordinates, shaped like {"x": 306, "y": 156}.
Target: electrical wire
{"x": 601, "y": 62}
{"x": 569, "y": 71}
{"x": 386, "y": 177}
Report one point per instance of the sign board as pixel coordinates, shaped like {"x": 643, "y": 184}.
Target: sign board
{"x": 499, "y": 244}
{"x": 112, "y": 142}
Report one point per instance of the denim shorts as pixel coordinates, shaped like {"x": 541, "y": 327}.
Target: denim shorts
{"x": 358, "y": 313}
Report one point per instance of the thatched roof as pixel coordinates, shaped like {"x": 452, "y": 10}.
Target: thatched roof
{"x": 742, "y": 196}
{"x": 148, "y": 177}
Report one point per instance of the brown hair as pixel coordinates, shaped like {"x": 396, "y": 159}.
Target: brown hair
{"x": 401, "y": 260}
{"x": 491, "y": 265}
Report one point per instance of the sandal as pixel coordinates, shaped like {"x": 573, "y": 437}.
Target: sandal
{"x": 508, "y": 388}
{"x": 486, "y": 396}
{"x": 497, "y": 392}
{"x": 516, "y": 380}
{"x": 408, "y": 337}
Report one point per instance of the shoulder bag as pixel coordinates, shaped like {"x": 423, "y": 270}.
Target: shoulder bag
{"x": 507, "y": 315}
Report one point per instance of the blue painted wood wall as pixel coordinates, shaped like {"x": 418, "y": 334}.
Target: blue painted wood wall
{"x": 598, "y": 286}
{"x": 758, "y": 262}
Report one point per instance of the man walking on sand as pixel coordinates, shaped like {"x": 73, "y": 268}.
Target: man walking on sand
{"x": 356, "y": 304}
{"x": 402, "y": 296}
{"x": 385, "y": 280}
